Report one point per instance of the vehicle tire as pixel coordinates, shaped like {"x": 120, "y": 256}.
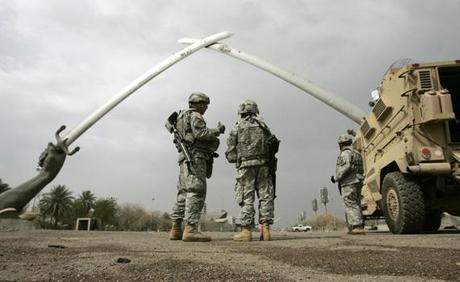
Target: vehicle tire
{"x": 403, "y": 204}
{"x": 432, "y": 220}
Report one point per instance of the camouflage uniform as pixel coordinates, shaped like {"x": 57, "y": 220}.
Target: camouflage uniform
{"x": 349, "y": 174}
{"x": 191, "y": 187}
{"x": 248, "y": 149}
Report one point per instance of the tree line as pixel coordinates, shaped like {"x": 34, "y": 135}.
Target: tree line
{"x": 59, "y": 209}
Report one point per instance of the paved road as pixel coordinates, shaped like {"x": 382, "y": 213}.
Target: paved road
{"x": 45, "y": 255}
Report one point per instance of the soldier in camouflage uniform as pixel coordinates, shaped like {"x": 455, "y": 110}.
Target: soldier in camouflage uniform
{"x": 247, "y": 147}
{"x": 202, "y": 142}
{"x": 349, "y": 175}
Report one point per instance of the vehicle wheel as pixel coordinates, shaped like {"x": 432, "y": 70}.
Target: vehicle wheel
{"x": 432, "y": 220}
{"x": 403, "y": 204}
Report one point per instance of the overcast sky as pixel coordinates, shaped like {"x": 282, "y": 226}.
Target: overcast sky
{"x": 61, "y": 60}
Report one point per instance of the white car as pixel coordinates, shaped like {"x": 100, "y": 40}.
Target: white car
{"x": 301, "y": 227}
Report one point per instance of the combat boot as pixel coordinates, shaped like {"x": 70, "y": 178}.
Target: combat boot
{"x": 244, "y": 235}
{"x": 357, "y": 230}
{"x": 266, "y": 232}
{"x": 176, "y": 230}
{"x": 191, "y": 234}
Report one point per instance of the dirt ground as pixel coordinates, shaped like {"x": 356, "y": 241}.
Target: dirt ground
{"x": 45, "y": 255}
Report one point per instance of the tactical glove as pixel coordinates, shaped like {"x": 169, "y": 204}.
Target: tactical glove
{"x": 220, "y": 127}
{"x": 332, "y": 179}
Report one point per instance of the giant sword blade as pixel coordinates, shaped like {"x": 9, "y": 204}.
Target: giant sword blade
{"x": 348, "y": 109}
{"x": 53, "y": 157}
{"x": 65, "y": 142}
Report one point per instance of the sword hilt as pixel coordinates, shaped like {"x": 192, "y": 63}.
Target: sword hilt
{"x": 61, "y": 143}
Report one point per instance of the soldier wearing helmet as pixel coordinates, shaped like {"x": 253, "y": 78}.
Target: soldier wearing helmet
{"x": 251, "y": 147}
{"x": 349, "y": 175}
{"x": 198, "y": 98}
{"x": 201, "y": 142}
{"x": 248, "y": 107}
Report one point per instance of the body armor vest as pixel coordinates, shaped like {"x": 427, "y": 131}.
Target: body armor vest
{"x": 184, "y": 127}
{"x": 251, "y": 140}
{"x": 357, "y": 162}
{"x": 357, "y": 169}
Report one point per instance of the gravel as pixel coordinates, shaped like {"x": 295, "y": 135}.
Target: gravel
{"x": 150, "y": 256}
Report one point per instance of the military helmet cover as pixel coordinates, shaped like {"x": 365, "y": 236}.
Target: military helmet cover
{"x": 247, "y": 107}
{"x": 345, "y": 138}
{"x": 198, "y": 97}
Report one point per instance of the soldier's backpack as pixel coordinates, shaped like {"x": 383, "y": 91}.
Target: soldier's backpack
{"x": 356, "y": 163}
{"x": 251, "y": 140}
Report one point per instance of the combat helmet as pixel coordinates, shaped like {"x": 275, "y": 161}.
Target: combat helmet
{"x": 198, "y": 97}
{"x": 345, "y": 139}
{"x": 248, "y": 107}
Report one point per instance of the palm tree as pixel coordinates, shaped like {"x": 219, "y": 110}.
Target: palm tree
{"x": 87, "y": 200}
{"x": 3, "y": 186}
{"x": 82, "y": 205}
{"x": 56, "y": 203}
{"x": 106, "y": 211}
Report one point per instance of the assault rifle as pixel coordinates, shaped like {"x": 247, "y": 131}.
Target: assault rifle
{"x": 178, "y": 140}
{"x": 273, "y": 144}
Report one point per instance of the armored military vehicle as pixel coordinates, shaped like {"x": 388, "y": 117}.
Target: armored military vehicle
{"x": 410, "y": 143}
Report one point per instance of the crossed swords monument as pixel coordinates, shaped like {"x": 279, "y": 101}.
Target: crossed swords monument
{"x": 53, "y": 157}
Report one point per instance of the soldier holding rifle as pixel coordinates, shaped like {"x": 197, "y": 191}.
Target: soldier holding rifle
{"x": 196, "y": 144}
{"x": 349, "y": 176}
{"x": 252, "y": 147}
